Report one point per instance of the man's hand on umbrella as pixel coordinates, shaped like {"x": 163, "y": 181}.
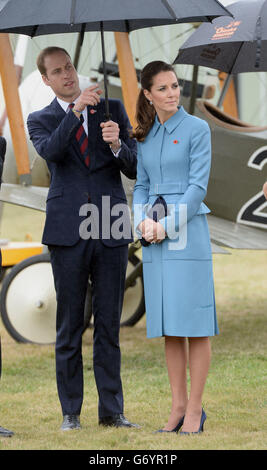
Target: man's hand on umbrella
{"x": 89, "y": 96}
{"x": 265, "y": 189}
{"x": 110, "y": 133}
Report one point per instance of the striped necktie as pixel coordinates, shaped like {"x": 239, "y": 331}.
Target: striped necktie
{"x": 82, "y": 139}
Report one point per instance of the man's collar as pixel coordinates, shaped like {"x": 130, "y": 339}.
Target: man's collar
{"x": 64, "y": 104}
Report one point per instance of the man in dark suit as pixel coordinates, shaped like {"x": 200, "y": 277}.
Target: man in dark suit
{"x": 3, "y": 432}
{"x": 85, "y": 155}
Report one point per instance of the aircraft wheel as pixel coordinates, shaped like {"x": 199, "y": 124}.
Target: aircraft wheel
{"x": 28, "y": 301}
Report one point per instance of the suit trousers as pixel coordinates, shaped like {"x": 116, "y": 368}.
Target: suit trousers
{"x": 72, "y": 267}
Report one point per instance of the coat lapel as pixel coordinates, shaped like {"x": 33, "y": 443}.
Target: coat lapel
{"x": 57, "y": 111}
{"x": 95, "y": 115}
{"x": 59, "y": 114}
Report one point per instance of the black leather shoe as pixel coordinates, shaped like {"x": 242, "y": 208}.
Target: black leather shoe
{"x": 5, "y": 432}
{"x": 119, "y": 421}
{"x": 70, "y": 422}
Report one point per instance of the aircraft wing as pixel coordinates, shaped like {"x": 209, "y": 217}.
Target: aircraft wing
{"x": 235, "y": 235}
{"x": 33, "y": 197}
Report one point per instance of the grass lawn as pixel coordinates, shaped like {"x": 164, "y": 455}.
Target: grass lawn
{"x": 235, "y": 397}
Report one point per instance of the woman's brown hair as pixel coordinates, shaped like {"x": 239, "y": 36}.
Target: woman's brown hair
{"x": 145, "y": 112}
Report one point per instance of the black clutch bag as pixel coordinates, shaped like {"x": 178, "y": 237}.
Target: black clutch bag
{"x": 158, "y": 211}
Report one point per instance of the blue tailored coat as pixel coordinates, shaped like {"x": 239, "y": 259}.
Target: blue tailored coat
{"x": 174, "y": 161}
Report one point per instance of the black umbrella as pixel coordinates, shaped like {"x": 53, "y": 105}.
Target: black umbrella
{"x": 40, "y": 17}
{"x": 232, "y": 45}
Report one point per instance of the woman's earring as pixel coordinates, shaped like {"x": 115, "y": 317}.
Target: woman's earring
{"x": 150, "y": 102}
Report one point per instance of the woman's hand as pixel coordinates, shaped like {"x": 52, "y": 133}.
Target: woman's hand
{"x": 152, "y": 232}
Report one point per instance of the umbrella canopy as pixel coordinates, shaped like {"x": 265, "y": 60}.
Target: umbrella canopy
{"x": 232, "y": 45}
{"x": 38, "y": 17}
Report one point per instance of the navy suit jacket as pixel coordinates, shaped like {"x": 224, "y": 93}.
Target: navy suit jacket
{"x": 73, "y": 184}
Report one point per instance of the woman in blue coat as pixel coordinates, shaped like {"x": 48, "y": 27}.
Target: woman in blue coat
{"x": 174, "y": 155}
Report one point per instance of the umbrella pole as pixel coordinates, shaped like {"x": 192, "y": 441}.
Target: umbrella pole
{"x": 77, "y": 52}
{"x": 193, "y": 90}
{"x": 224, "y": 90}
{"x": 107, "y": 115}
{"x": 79, "y": 47}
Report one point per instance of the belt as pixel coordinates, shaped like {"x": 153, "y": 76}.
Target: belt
{"x": 167, "y": 188}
